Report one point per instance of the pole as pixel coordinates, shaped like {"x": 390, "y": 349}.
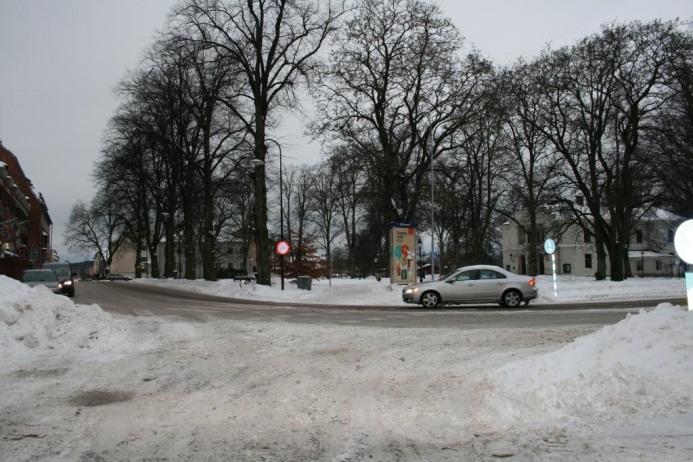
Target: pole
{"x": 553, "y": 267}
{"x": 433, "y": 207}
{"x": 281, "y": 210}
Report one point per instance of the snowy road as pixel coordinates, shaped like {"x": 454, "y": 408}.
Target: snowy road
{"x": 261, "y": 382}
{"x": 141, "y": 300}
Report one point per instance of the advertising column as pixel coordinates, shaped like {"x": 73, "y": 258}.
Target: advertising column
{"x": 402, "y": 254}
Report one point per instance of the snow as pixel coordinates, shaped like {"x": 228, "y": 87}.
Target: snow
{"x": 36, "y": 323}
{"x": 282, "y": 389}
{"x": 587, "y": 289}
{"x": 371, "y": 292}
{"x": 641, "y": 366}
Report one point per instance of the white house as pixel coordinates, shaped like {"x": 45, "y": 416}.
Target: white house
{"x": 651, "y": 246}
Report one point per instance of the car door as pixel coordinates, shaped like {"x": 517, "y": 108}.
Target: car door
{"x": 490, "y": 285}
{"x": 462, "y": 287}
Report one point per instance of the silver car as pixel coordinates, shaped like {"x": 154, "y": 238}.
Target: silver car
{"x": 474, "y": 284}
{"x": 41, "y": 277}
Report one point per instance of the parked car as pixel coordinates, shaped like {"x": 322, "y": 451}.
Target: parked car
{"x": 117, "y": 277}
{"x": 41, "y": 277}
{"x": 474, "y": 284}
{"x": 65, "y": 277}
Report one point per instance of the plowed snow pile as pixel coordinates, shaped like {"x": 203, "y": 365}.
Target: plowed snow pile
{"x": 640, "y": 366}
{"x": 36, "y": 322}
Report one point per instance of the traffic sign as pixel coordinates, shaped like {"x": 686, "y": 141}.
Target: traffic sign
{"x": 683, "y": 241}
{"x": 282, "y": 248}
{"x": 550, "y": 246}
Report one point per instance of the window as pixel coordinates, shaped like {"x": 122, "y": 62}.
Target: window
{"x": 638, "y": 265}
{"x": 467, "y": 276}
{"x": 638, "y": 236}
{"x": 567, "y": 269}
{"x": 490, "y": 274}
{"x": 659, "y": 265}
{"x": 670, "y": 236}
{"x": 588, "y": 260}
{"x": 579, "y": 200}
{"x": 588, "y": 237}
{"x": 521, "y": 236}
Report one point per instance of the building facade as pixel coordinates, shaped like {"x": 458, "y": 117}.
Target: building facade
{"x": 230, "y": 259}
{"x": 25, "y": 225}
{"x": 651, "y": 247}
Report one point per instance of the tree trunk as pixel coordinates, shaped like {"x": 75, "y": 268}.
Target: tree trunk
{"x": 533, "y": 242}
{"x": 189, "y": 233}
{"x": 170, "y": 246}
{"x": 138, "y": 258}
{"x": 264, "y": 270}
{"x": 600, "y": 275}
{"x": 209, "y": 264}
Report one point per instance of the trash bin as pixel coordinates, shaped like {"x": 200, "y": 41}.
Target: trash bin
{"x": 303, "y": 282}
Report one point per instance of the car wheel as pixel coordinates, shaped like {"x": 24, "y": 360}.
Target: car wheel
{"x": 512, "y": 298}
{"x": 430, "y": 299}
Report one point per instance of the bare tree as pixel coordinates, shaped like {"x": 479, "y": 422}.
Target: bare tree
{"x": 274, "y": 43}
{"x": 598, "y": 96}
{"x": 95, "y": 228}
{"x": 324, "y": 210}
{"x": 533, "y": 163}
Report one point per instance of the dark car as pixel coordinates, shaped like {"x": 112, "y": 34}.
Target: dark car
{"x": 41, "y": 277}
{"x": 117, "y": 277}
{"x": 65, "y": 277}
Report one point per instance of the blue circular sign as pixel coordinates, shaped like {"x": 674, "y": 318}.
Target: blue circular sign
{"x": 550, "y": 246}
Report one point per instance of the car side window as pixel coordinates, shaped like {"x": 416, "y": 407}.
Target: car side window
{"x": 490, "y": 274}
{"x": 467, "y": 276}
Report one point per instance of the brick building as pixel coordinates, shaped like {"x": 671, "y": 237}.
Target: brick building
{"x": 25, "y": 225}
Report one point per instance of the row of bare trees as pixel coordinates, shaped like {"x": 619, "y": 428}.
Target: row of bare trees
{"x": 405, "y": 113}
{"x": 606, "y": 119}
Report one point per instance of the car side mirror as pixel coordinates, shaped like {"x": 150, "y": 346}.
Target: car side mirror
{"x": 450, "y": 281}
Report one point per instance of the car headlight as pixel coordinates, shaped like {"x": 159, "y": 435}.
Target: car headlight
{"x": 60, "y": 285}
{"x": 412, "y": 290}
{"x": 67, "y": 283}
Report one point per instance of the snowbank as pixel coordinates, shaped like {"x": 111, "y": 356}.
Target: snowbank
{"x": 367, "y": 291}
{"x": 642, "y": 365}
{"x": 381, "y": 293}
{"x": 572, "y": 289}
{"x": 35, "y": 322}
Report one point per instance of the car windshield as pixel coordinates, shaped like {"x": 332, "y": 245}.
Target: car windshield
{"x": 39, "y": 276}
{"x": 60, "y": 271}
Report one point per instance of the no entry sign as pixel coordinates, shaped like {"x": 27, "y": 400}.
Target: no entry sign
{"x": 282, "y": 248}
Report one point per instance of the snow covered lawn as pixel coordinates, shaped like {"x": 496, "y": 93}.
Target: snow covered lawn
{"x": 371, "y": 292}
{"x": 81, "y": 384}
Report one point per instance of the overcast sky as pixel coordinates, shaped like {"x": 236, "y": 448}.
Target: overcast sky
{"x": 61, "y": 59}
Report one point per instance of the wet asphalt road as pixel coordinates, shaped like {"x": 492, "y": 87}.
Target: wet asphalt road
{"x": 139, "y": 300}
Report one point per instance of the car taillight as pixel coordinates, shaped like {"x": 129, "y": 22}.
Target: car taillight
{"x": 532, "y": 282}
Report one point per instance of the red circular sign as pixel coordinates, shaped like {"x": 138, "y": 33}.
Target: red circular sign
{"x": 282, "y": 248}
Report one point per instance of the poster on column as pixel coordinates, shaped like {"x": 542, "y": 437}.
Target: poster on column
{"x": 402, "y": 255}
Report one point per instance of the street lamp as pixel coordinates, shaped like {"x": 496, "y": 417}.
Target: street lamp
{"x": 281, "y": 209}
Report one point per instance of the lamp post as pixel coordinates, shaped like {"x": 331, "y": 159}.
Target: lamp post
{"x": 281, "y": 209}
